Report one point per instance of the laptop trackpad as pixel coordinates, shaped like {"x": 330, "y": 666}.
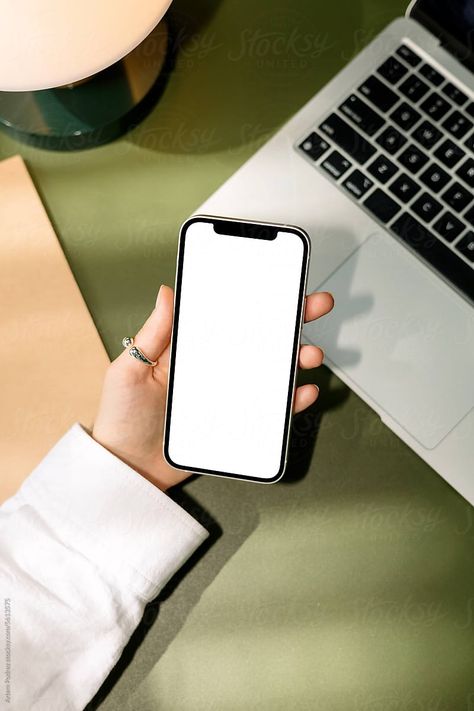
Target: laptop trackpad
{"x": 402, "y": 337}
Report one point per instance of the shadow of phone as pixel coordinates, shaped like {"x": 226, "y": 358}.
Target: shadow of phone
{"x": 307, "y": 424}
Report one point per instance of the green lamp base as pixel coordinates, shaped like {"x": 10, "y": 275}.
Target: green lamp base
{"x": 95, "y": 110}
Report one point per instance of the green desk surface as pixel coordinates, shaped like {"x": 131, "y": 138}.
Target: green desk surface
{"x": 349, "y": 586}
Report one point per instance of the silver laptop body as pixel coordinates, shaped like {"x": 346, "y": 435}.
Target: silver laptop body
{"x": 386, "y": 233}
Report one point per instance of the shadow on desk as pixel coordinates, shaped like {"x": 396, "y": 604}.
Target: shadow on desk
{"x": 188, "y": 594}
{"x": 242, "y": 69}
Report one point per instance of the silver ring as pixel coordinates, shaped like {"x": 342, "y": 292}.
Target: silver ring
{"x": 135, "y": 352}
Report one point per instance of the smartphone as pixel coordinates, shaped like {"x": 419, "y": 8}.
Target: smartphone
{"x": 238, "y": 314}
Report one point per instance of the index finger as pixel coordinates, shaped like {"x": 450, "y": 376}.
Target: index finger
{"x": 317, "y": 304}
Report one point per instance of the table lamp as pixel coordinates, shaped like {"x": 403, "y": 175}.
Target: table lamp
{"x": 75, "y": 75}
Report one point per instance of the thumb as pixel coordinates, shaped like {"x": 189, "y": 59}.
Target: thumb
{"x": 155, "y": 334}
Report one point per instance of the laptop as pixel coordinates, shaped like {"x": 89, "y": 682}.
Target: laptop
{"x": 378, "y": 167}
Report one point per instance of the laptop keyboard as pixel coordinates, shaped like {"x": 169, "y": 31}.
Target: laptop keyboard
{"x": 402, "y": 146}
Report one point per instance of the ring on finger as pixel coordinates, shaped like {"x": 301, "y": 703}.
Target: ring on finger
{"x": 136, "y": 352}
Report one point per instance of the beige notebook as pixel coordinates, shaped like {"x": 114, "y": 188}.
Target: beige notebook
{"x": 52, "y": 360}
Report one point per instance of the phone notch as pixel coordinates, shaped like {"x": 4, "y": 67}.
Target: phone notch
{"x": 251, "y": 230}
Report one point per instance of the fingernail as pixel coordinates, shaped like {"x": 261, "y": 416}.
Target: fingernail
{"x": 317, "y": 388}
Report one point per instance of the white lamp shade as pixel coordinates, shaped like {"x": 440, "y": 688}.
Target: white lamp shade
{"x": 48, "y": 43}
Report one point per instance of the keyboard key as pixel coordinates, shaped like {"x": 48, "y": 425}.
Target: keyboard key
{"x": 378, "y": 93}
{"x": 314, "y": 146}
{"x": 404, "y": 187}
{"x": 426, "y": 207}
{"x": 449, "y": 153}
{"x": 470, "y": 142}
{"x": 381, "y": 205}
{"x": 414, "y": 87}
{"x": 357, "y": 183}
{"x": 439, "y": 255}
{"x": 382, "y": 168}
{"x": 469, "y": 109}
{"x": 435, "y": 177}
{"x": 466, "y": 246}
{"x": 466, "y": 172}
{"x": 412, "y": 158}
{"x": 336, "y": 164}
{"x": 469, "y": 215}
{"x": 392, "y": 70}
{"x": 405, "y": 116}
{"x": 448, "y": 226}
{"x": 457, "y": 197}
{"x": 391, "y": 139}
{"x": 455, "y": 94}
{"x": 457, "y": 124}
{"x": 435, "y": 106}
{"x": 431, "y": 74}
{"x": 361, "y": 114}
{"x": 408, "y": 55}
{"x": 347, "y": 138}
{"x": 427, "y": 134}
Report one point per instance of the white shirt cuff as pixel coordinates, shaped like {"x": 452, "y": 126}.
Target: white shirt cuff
{"x": 98, "y": 505}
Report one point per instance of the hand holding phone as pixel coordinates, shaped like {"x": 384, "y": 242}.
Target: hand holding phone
{"x": 130, "y": 420}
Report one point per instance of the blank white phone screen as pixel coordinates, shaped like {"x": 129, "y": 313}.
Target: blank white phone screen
{"x": 235, "y": 338}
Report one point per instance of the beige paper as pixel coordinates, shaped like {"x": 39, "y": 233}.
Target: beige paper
{"x": 52, "y": 360}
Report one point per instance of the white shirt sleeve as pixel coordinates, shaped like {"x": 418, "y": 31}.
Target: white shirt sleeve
{"x": 84, "y": 545}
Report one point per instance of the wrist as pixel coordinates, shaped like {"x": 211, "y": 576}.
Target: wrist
{"x": 131, "y": 461}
